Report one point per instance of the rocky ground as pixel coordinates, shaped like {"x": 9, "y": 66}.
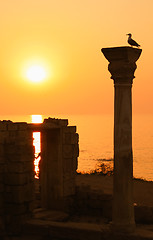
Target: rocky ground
{"x": 143, "y": 190}
{"x": 93, "y": 191}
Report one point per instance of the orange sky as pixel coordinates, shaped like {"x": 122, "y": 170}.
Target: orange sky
{"x": 66, "y": 37}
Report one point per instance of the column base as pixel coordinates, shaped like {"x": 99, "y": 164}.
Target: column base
{"x": 123, "y": 228}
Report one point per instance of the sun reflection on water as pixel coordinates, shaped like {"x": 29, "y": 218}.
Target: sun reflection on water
{"x": 37, "y": 143}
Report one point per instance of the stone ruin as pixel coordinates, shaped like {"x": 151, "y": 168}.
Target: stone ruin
{"x": 59, "y": 153}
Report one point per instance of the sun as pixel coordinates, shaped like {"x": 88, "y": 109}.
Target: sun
{"x": 36, "y": 118}
{"x": 36, "y": 73}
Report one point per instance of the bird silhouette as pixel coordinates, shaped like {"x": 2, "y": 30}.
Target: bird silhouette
{"x": 131, "y": 41}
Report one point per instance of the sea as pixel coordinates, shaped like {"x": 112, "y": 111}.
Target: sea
{"x": 96, "y": 140}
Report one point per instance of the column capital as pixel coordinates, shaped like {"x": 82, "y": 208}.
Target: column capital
{"x": 122, "y": 63}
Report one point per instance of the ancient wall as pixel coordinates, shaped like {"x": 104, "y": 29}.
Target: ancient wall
{"x": 58, "y": 169}
{"x": 16, "y": 174}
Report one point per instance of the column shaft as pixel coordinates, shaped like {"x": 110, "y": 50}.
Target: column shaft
{"x": 123, "y": 210}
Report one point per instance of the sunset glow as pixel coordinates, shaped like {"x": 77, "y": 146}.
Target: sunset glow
{"x": 51, "y": 55}
{"x": 36, "y": 74}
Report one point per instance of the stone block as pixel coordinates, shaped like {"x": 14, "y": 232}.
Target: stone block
{"x": 2, "y": 177}
{"x": 12, "y": 126}
{"x": 15, "y": 209}
{"x": 1, "y": 150}
{"x": 21, "y": 141}
{"x": 2, "y": 161}
{"x": 69, "y": 129}
{"x": 1, "y": 187}
{"x": 12, "y": 136}
{"x": 23, "y": 134}
{"x": 29, "y": 166}
{"x": 13, "y": 158}
{"x": 19, "y": 150}
{"x": 16, "y": 167}
{"x": 10, "y": 149}
{"x": 8, "y": 197}
{"x": 67, "y": 138}
{"x": 56, "y": 121}
{"x": 76, "y": 150}
{"x": 63, "y": 122}
{"x": 74, "y": 164}
{"x": 18, "y": 196}
{"x": 70, "y": 138}
{"x": 1, "y": 202}
{"x": 69, "y": 190}
{"x": 4, "y": 136}
{"x": 67, "y": 165}
{"x": 14, "y": 188}
{"x": 31, "y": 206}
{"x": 75, "y": 138}
{"x": 15, "y": 179}
{"x": 22, "y": 125}
{"x": 69, "y": 178}
{"x": 3, "y": 126}
{"x": 30, "y": 177}
{"x": 29, "y": 193}
{"x": 67, "y": 151}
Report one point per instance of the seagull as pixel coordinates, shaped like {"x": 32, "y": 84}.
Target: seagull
{"x": 131, "y": 41}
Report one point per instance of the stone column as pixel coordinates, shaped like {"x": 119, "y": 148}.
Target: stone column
{"x": 122, "y": 67}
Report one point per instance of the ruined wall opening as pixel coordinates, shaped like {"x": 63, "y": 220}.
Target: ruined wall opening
{"x": 58, "y": 144}
{"x": 36, "y": 136}
{"x": 37, "y": 146}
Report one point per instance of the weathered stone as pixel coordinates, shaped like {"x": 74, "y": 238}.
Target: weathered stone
{"x": 67, "y": 151}
{"x": 19, "y": 196}
{"x": 15, "y": 209}
{"x": 74, "y": 164}
{"x": 14, "y": 188}
{"x": 8, "y": 197}
{"x": 76, "y": 150}
{"x": 29, "y": 166}
{"x": 31, "y": 206}
{"x": 70, "y": 138}
{"x": 4, "y": 136}
{"x": 63, "y": 122}
{"x": 22, "y": 125}
{"x": 2, "y": 161}
{"x": 3, "y": 126}
{"x": 15, "y": 179}
{"x": 12, "y": 127}
{"x": 29, "y": 192}
{"x": 67, "y": 138}
{"x": 16, "y": 167}
{"x": 67, "y": 166}
{"x": 75, "y": 138}
{"x": 1, "y": 187}
{"x": 69, "y": 129}
{"x": 1, "y": 150}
